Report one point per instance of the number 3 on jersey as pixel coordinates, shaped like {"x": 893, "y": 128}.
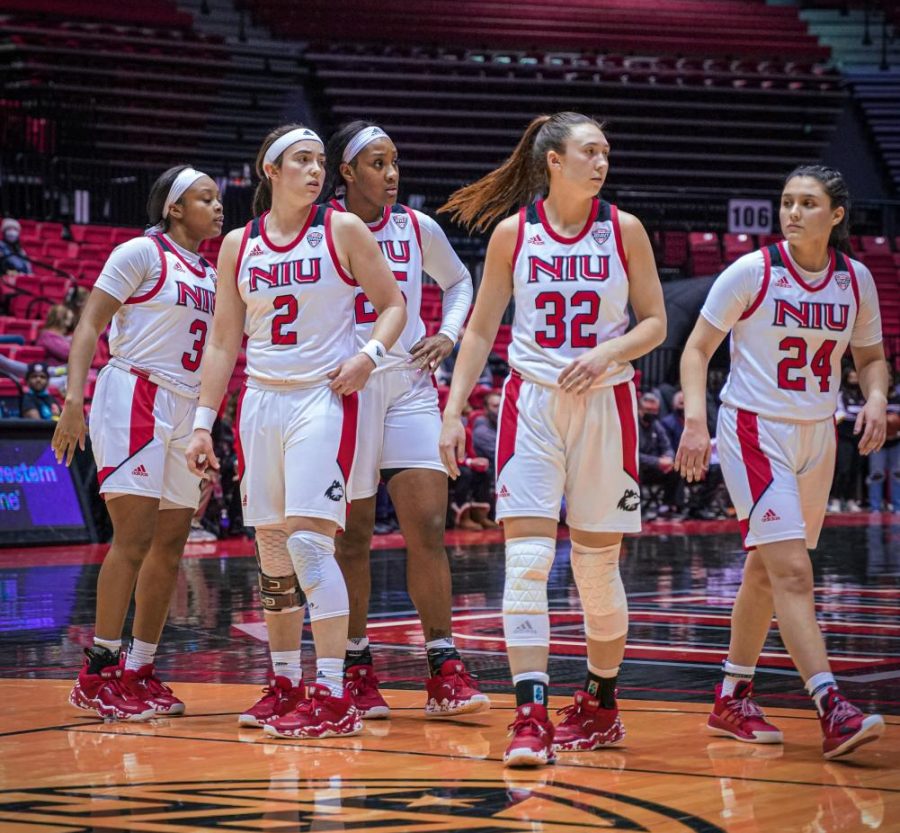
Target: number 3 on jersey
{"x": 554, "y": 306}
{"x": 191, "y": 360}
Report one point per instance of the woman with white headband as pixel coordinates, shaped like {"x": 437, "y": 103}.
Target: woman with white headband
{"x": 289, "y": 281}
{"x": 400, "y": 423}
{"x": 159, "y": 294}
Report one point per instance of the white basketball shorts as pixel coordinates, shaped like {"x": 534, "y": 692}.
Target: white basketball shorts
{"x": 551, "y": 443}
{"x": 778, "y": 474}
{"x": 295, "y": 451}
{"x": 399, "y": 428}
{"x": 139, "y": 433}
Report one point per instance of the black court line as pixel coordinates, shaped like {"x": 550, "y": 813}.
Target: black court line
{"x": 303, "y": 745}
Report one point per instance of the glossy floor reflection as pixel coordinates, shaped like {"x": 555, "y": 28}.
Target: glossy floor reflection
{"x": 63, "y": 771}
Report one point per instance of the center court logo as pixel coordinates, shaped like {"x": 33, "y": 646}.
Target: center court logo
{"x": 416, "y": 805}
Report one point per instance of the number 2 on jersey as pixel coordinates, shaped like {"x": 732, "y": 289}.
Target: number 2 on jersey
{"x": 820, "y": 364}
{"x": 554, "y": 306}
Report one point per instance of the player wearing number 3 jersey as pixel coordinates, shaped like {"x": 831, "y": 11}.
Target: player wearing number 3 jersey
{"x": 159, "y": 294}
{"x": 567, "y": 425}
{"x": 792, "y": 309}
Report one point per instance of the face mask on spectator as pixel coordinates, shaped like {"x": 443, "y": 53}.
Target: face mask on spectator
{"x": 650, "y": 418}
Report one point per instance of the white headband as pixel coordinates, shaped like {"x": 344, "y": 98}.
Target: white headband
{"x": 182, "y": 182}
{"x": 365, "y": 137}
{"x": 282, "y": 143}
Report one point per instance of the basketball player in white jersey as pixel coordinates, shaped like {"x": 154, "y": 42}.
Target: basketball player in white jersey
{"x": 159, "y": 294}
{"x": 568, "y": 423}
{"x": 792, "y": 310}
{"x": 289, "y": 281}
{"x": 400, "y": 422}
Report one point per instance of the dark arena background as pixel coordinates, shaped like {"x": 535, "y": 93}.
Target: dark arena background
{"x": 707, "y": 105}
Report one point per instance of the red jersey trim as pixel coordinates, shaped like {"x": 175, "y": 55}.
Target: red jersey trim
{"x": 199, "y": 271}
{"x": 415, "y": 223}
{"x": 286, "y": 248}
{"x": 385, "y": 216}
{"x": 785, "y": 256}
{"x": 508, "y": 422}
{"x": 329, "y": 239}
{"x": 592, "y": 217}
{"x": 854, "y": 282}
{"x": 617, "y": 231}
{"x": 336, "y": 204}
{"x": 520, "y": 237}
{"x": 244, "y": 240}
{"x": 164, "y": 268}
{"x": 767, "y": 276}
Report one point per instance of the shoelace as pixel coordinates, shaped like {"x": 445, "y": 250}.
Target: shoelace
{"x": 532, "y": 723}
{"x": 358, "y": 684}
{"x": 572, "y": 712}
{"x": 745, "y": 707}
{"x": 843, "y": 710}
{"x": 461, "y": 677}
{"x": 124, "y": 688}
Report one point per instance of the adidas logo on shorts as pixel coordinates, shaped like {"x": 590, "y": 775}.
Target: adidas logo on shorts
{"x": 504, "y": 492}
{"x": 783, "y": 281}
{"x": 770, "y": 515}
{"x": 255, "y": 251}
{"x": 140, "y": 471}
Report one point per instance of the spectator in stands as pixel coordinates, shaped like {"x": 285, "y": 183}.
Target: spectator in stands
{"x": 484, "y": 443}
{"x": 656, "y": 455}
{"x": 673, "y": 422}
{"x": 56, "y": 338}
{"x": 444, "y": 373}
{"x": 37, "y": 403}
{"x": 848, "y": 467}
{"x": 13, "y": 258}
{"x": 884, "y": 464}
{"x": 76, "y": 301}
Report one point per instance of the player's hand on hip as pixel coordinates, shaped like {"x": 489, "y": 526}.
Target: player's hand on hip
{"x": 872, "y": 421}
{"x": 452, "y": 445}
{"x": 201, "y": 459}
{"x": 352, "y": 375}
{"x": 581, "y": 373}
{"x": 692, "y": 457}
{"x": 69, "y": 433}
{"x": 428, "y": 353}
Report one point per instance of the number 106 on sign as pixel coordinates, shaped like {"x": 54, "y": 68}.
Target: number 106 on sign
{"x": 749, "y": 216}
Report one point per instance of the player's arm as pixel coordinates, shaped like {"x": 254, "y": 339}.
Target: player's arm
{"x": 872, "y": 370}
{"x": 220, "y": 355}
{"x": 70, "y": 429}
{"x": 692, "y": 457}
{"x": 493, "y": 298}
{"x": 646, "y": 298}
{"x": 359, "y": 254}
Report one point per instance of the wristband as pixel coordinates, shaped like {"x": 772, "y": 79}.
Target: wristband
{"x": 204, "y": 418}
{"x": 374, "y": 349}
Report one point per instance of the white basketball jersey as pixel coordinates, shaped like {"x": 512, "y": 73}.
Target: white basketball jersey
{"x": 299, "y": 301}
{"x": 163, "y": 331}
{"x": 786, "y": 348}
{"x": 571, "y": 294}
{"x": 400, "y": 240}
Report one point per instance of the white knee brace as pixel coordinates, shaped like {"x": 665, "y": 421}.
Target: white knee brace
{"x": 319, "y": 575}
{"x": 526, "y": 621}
{"x": 602, "y": 592}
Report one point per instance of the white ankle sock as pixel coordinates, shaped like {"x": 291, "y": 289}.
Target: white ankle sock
{"x": 444, "y": 643}
{"x": 358, "y": 644}
{"x": 330, "y": 673}
{"x": 818, "y": 685}
{"x": 287, "y": 664}
{"x": 112, "y": 645}
{"x": 140, "y": 654}
{"x": 734, "y": 674}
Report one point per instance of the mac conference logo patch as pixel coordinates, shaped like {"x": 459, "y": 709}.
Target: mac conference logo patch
{"x": 513, "y": 803}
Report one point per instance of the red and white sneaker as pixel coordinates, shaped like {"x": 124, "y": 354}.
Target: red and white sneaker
{"x": 361, "y": 682}
{"x": 113, "y": 693}
{"x": 157, "y": 693}
{"x": 320, "y": 715}
{"x": 845, "y": 727}
{"x": 738, "y": 716}
{"x": 532, "y": 738}
{"x": 587, "y": 726}
{"x": 453, "y": 690}
{"x": 279, "y": 697}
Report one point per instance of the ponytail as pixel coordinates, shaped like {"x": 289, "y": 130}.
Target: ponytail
{"x": 519, "y": 178}
{"x": 835, "y": 186}
{"x": 262, "y": 197}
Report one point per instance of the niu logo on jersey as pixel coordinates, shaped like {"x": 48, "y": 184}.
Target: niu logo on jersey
{"x": 569, "y": 268}
{"x": 812, "y": 315}
{"x": 396, "y": 251}
{"x": 200, "y": 298}
{"x": 304, "y": 270}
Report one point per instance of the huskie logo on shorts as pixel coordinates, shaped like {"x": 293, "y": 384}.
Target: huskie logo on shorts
{"x": 630, "y": 501}
{"x": 335, "y": 491}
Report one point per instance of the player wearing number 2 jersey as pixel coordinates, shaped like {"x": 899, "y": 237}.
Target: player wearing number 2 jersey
{"x": 568, "y": 423}
{"x": 792, "y": 309}
{"x": 159, "y": 294}
{"x": 289, "y": 281}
